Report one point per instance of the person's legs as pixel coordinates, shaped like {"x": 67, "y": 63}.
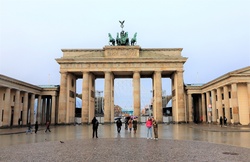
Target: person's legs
{"x": 151, "y": 132}
{"x": 148, "y": 133}
{"x": 156, "y": 133}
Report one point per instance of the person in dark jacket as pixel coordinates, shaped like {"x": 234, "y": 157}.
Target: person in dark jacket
{"x": 36, "y": 126}
{"x": 221, "y": 121}
{"x": 95, "y": 124}
{"x": 225, "y": 120}
{"x": 155, "y": 126}
{"x": 135, "y": 124}
{"x": 118, "y": 125}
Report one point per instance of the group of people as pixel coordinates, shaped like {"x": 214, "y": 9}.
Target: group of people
{"x": 29, "y": 130}
{"x": 151, "y": 122}
{"x": 130, "y": 123}
{"x": 223, "y": 120}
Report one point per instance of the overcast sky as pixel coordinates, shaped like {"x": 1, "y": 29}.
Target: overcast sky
{"x": 214, "y": 35}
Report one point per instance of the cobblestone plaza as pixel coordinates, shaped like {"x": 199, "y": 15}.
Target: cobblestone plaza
{"x": 177, "y": 142}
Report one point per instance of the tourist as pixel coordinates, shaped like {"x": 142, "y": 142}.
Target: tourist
{"x": 36, "y": 126}
{"x": 29, "y": 128}
{"x": 149, "y": 128}
{"x": 19, "y": 122}
{"x": 130, "y": 124}
{"x": 47, "y": 126}
{"x": 135, "y": 124}
{"x": 95, "y": 124}
{"x": 221, "y": 121}
{"x": 225, "y": 120}
{"x": 118, "y": 125}
{"x": 155, "y": 126}
{"x": 126, "y": 123}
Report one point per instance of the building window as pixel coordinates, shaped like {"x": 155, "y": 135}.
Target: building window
{"x": 216, "y": 98}
{"x": 222, "y": 96}
{"x": 22, "y": 99}
{"x": 231, "y": 113}
{"x": 229, "y": 94}
{"x": 217, "y": 114}
{"x": 3, "y": 96}
{"x": 14, "y": 98}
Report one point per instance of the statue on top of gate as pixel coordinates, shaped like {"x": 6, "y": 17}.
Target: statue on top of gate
{"x": 122, "y": 37}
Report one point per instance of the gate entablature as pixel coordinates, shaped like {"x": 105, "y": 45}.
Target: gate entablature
{"x": 122, "y": 58}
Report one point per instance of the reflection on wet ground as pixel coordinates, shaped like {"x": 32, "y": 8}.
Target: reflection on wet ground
{"x": 214, "y": 134}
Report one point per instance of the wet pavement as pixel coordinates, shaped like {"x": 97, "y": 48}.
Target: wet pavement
{"x": 177, "y": 142}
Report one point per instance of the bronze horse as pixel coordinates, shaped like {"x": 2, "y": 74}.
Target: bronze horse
{"x": 133, "y": 40}
{"x": 111, "y": 40}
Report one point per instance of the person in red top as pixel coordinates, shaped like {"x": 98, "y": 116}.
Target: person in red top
{"x": 149, "y": 128}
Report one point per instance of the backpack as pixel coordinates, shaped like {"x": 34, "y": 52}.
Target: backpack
{"x": 96, "y": 123}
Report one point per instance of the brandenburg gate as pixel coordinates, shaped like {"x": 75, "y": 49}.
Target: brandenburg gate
{"x": 119, "y": 62}
{"x": 123, "y": 60}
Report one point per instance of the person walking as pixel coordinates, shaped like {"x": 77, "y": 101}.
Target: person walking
{"x": 135, "y": 124}
{"x": 221, "y": 121}
{"x": 36, "y": 126}
{"x": 47, "y": 126}
{"x": 130, "y": 124}
{"x": 118, "y": 125}
{"x": 155, "y": 126}
{"x": 149, "y": 128}
{"x": 95, "y": 124}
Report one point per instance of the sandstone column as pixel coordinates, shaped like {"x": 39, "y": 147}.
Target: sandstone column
{"x": 53, "y": 108}
{"x": 219, "y": 103}
{"x": 190, "y": 108}
{"x": 32, "y": 105}
{"x": 63, "y": 98}
{"x": 157, "y": 109}
{"x": 112, "y": 97}
{"x": 7, "y": 108}
{"x": 203, "y": 107}
{"x": 39, "y": 110}
{"x": 208, "y": 102}
{"x": 44, "y": 110}
{"x": 226, "y": 103}
{"x": 16, "y": 108}
{"x": 137, "y": 94}
{"x": 107, "y": 97}
{"x": 85, "y": 97}
{"x": 25, "y": 108}
{"x": 234, "y": 102}
{"x": 179, "y": 112}
{"x": 91, "y": 97}
{"x": 248, "y": 91}
{"x": 214, "y": 115}
{"x": 1, "y": 108}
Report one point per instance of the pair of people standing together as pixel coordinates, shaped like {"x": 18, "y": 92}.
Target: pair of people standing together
{"x": 151, "y": 122}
